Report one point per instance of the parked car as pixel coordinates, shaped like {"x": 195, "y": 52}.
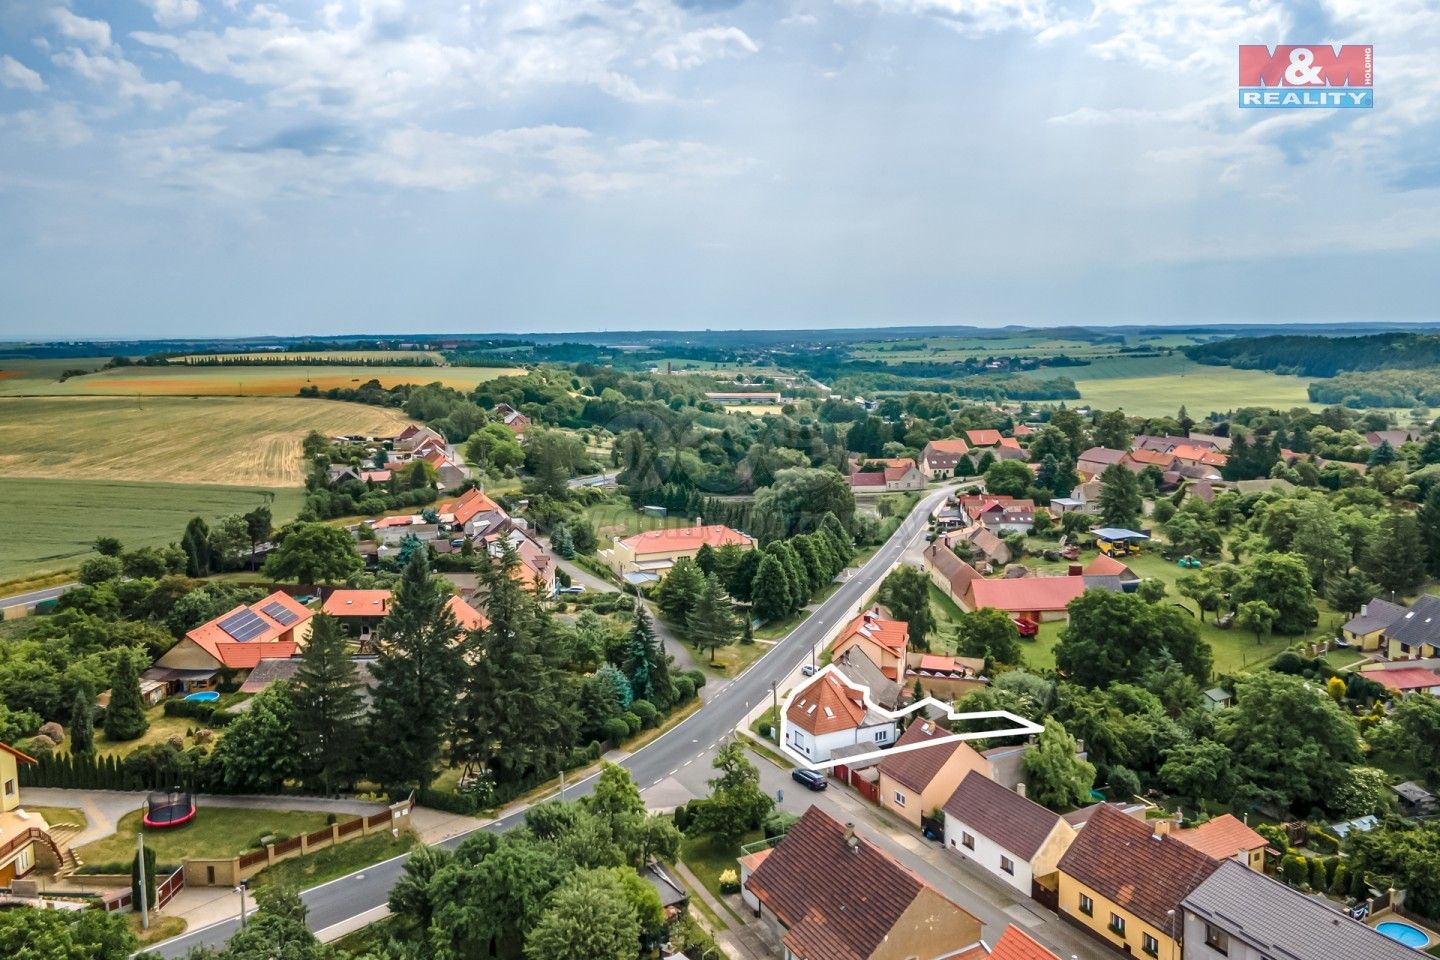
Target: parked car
{"x": 813, "y": 779}
{"x": 808, "y": 669}
{"x": 573, "y": 588}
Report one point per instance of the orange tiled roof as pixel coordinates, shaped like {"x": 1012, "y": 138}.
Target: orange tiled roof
{"x": 1222, "y": 837}
{"x": 357, "y": 603}
{"x": 469, "y": 504}
{"x": 826, "y": 706}
{"x": 1027, "y": 594}
{"x": 983, "y": 438}
{"x": 884, "y": 631}
{"x": 1154, "y": 457}
{"x": 1103, "y": 566}
{"x": 1016, "y": 944}
{"x": 684, "y": 538}
{"x": 242, "y": 655}
{"x": 1010, "y": 442}
{"x": 1196, "y": 454}
{"x": 954, "y": 446}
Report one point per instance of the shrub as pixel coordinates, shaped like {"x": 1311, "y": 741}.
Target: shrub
{"x": 681, "y": 817}
{"x": 39, "y": 745}
{"x": 765, "y": 729}
{"x": 1341, "y": 883}
{"x": 697, "y": 678}
{"x": 632, "y": 722}
{"x": 1293, "y": 869}
{"x": 729, "y": 882}
{"x": 1318, "y": 879}
{"x": 615, "y": 730}
{"x": 646, "y": 711}
{"x": 1124, "y": 783}
{"x": 1275, "y": 836}
{"x": 460, "y": 803}
{"x": 684, "y": 689}
{"x": 779, "y": 822}
{"x": 1320, "y": 839}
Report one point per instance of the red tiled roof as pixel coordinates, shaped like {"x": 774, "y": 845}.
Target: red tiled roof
{"x": 916, "y": 768}
{"x": 1121, "y": 859}
{"x": 1221, "y": 837}
{"x": 889, "y": 633}
{"x": 983, "y": 438}
{"x": 465, "y": 615}
{"x": 1102, "y": 455}
{"x": 1105, "y": 566}
{"x": 1154, "y": 457}
{"x": 357, "y": 603}
{"x": 897, "y": 470}
{"x": 469, "y": 504}
{"x": 867, "y": 479}
{"x": 1406, "y": 678}
{"x": 684, "y": 538}
{"x": 1010, "y": 442}
{"x": 827, "y": 705}
{"x": 1016, "y": 944}
{"x": 839, "y": 901}
{"x": 1017, "y": 824}
{"x": 242, "y": 655}
{"x": 1026, "y": 594}
{"x": 1210, "y": 458}
{"x": 1021, "y": 430}
{"x": 954, "y": 447}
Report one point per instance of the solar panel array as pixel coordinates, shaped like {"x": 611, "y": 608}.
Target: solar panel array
{"x": 280, "y": 613}
{"x": 244, "y": 625}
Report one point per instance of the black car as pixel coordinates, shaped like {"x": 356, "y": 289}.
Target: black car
{"x": 813, "y": 779}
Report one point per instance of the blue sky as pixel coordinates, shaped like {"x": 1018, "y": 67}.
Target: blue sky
{"x": 231, "y": 167}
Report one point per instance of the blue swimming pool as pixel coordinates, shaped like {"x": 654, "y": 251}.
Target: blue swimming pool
{"x": 205, "y": 696}
{"x": 1403, "y": 933}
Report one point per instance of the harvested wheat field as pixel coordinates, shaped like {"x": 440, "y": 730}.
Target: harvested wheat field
{"x": 282, "y": 380}
{"x": 221, "y": 440}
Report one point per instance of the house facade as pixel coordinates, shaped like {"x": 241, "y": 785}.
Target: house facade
{"x": 898, "y": 475}
{"x": 654, "y": 552}
{"x": 25, "y": 841}
{"x": 1415, "y": 634}
{"x": 828, "y": 714}
{"x": 916, "y": 783}
{"x": 1367, "y": 629}
{"x": 880, "y": 637}
{"x": 1041, "y": 599}
{"x": 1009, "y": 836}
{"x": 940, "y": 457}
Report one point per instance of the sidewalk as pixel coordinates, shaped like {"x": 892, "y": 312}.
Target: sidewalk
{"x": 739, "y": 941}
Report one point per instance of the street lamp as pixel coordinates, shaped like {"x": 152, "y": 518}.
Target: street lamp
{"x": 241, "y": 890}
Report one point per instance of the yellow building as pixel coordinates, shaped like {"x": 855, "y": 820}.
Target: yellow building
{"x": 1122, "y": 881}
{"x": 648, "y": 556}
{"x": 1367, "y": 631}
{"x": 25, "y": 840}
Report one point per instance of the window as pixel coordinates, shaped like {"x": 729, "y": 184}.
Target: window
{"x": 1087, "y": 906}
{"x": 968, "y": 840}
{"x": 9, "y": 788}
{"x": 882, "y": 735}
{"x": 899, "y": 799}
{"x": 1217, "y": 940}
{"x": 1007, "y": 865}
{"x": 1150, "y": 945}
{"x": 1117, "y": 924}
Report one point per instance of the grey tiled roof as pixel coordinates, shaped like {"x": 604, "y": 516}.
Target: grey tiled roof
{"x": 1419, "y": 624}
{"x": 1376, "y": 615}
{"x": 1281, "y": 922}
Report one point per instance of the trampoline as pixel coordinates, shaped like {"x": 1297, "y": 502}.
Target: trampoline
{"x": 170, "y": 809}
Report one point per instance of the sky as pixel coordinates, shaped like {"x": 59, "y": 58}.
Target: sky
{"x": 238, "y": 168}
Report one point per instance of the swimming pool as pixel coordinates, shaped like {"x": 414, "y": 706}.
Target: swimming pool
{"x": 1404, "y": 933}
{"x": 206, "y": 696}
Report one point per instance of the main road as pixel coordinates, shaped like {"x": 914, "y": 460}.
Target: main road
{"x": 346, "y": 900}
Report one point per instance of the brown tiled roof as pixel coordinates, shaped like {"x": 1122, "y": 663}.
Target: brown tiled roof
{"x": 1121, "y": 859}
{"x": 916, "y": 768}
{"x": 838, "y": 901}
{"x": 1018, "y": 824}
{"x": 827, "y": 705}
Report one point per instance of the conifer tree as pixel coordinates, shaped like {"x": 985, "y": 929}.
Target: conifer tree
{"x": 125, "y": 714}
{"x": 82, "y": 721}
{"x": 638, "y": 657}
{"x": 712, "y": 623}
{"x": 770, "y": 591}
{"x": 326, "y": 697}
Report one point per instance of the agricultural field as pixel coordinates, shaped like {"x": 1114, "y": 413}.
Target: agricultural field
{"x": 1035, "y": 344}
{"x": 50, "y": 524}
{"x": 24, "y": 378}
{"x": 221, "y": 440}
{"x": 754, "y": 409}
{"x": 1151, "y": 386}
{"x": 328, "y": 356}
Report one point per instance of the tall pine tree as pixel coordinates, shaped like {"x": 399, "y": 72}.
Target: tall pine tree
{"x": 712, "y": 623}
{"x": 82, "y": 721}
{"x": 637, "y": 656}
{"x": 326, "y": 696}
{"x": 125, "y": 714}
{"x": 417, "y": 671}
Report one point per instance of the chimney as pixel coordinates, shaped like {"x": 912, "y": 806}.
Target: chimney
{"x": 1020, "y": 788}
{"x": 1076, "y": 570}
{"x": 851, "y": 841}
{"x": 699, "y": 522}
{"x": 1162, "y": 827}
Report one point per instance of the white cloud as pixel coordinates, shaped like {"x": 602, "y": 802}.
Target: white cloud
{"x": 701, "y": 46}
{"x": 93, "y": 33}
{"x": 60, "y": 125}
{"x": 118, "y": 75}
{"x": 973, "y": 17}
{"x": 174, "y": 13}
{"x": 17, "y": 76}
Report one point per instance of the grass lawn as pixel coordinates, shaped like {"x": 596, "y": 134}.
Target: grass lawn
{"x": 161, "y": 928}
{"x": 614, "y": 517}
{"x": 946, "y": 614}
{"x": 59, "y": 816}
{"x": 241, "y": 381}
{"x": 1153, "y": 386}
{"x": 707, "y": 860}
{"x": 302, "y": 872}
{"x": 50, "y": 524}
{"x": 215, "y": 832}
{"x": 733, "y": 660}
{"x": 161, "y": 729}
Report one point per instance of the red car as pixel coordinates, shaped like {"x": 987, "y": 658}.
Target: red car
{"x": 1027, "y": 628}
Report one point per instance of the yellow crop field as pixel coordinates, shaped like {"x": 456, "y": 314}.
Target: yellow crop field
{"x": 252, "y": 441}
{"x": 232, "y": 381}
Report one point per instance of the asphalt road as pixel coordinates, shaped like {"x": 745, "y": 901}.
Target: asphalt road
{"x": 35, "y": 596}
{"x": 344, "y": 899}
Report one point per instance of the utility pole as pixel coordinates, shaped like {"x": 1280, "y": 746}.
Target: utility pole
{"x": 562, "y": 784}
{"x": 775, "y": 705}
{"x": 241, "y": 890}
{"x": 140, "y": 867}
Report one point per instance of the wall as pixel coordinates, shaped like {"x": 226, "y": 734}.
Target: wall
{"x": 1195, "y": 948}
{"x": 1098, "y": 925}
{"x": 986, "y": 855}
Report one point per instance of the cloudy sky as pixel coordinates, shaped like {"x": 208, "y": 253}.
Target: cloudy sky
{"x": 234, "y": 167}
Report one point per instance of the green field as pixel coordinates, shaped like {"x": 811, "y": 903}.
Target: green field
{"x": 50, "y": 524}
{"x": 1153, "y": 386}
{"x": 1033, "y": 344}
{"x": 216, "y": 832}
{"x": 328, "y": 356}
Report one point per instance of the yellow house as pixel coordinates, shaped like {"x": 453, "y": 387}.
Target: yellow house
{"x": 25, "y": 840}
{"x": 648, "y": 556}
{"x": 1367, "y": 630}
{"x": 1415, "y": 634}
{"x": 1122, "y": 881}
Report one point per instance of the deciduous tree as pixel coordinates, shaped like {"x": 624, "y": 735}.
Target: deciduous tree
{"x": 313, "y": 553}
{"x": 1120, "y": 502}
{"x": 1055, "y": 776}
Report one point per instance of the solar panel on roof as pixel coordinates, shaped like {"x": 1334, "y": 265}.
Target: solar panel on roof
{"x": 244, "y": 625}
{"x": 280, "y": 613}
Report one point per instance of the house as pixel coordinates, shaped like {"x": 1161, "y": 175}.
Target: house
{"x": 983, "y": 438}
{"x": 730, "y": 398}
{"x": 1238, "y": 914}
{"x": 830, "y": 713}
{"x": 1416, "y": 634}
{"x": 468, "y": 505}
{"x": 940, "y": 457}
{"x": 899, "y": 474}
{"x": 1138, "y": 460}
{"x": 1415, "y": 800}
{"x": 650, "y": 555}
{"x": 413, "y": 437}
{"x": 1006, "y": 834}
{"x": 376, "y": 476}
{"x": 999, "y": 513}
{"x": 235, "y": 641}
{"x": 1078, "y": 818}
{"x": 1226, "y": 837}
{"x": 1407, "y": 680}
{"x": 25, "y": 840}
{"x": 916, "y": 783}
{"x": 1366, "y": 629}
{"x": 1016, "y": 944}
{"x": 947, "y": 571}
{"x": 1264, "y": 485}
{"x": 830, "y": 894}
{"x": 1033, "y": 598}
{"x": 1217, "y": 699}
{"x": 1393, "y": 437}
{"x": 1096, "y": 460}
{"x": 1106, "y": 566}
{"x": 362, "y": 611}
{"x": 988, "y": 548}
{"x": 1083, "y": 499}
{"x": 1009, "y": 449}
{"x": 516, "y": 421}
{"x": 883, "y": 639}
{"x": 944, "y": 677}
{"x": 341, "y": 472}
{"x": 1122, "y": 881}
{"x": 861, "y": 671}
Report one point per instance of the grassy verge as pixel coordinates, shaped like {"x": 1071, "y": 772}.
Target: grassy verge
{"x": 215, "y": 832}
{"x": 302, "y": 872}
{"x": 707, "y": 859}
{"x": 16, "y": 585}
{"x": 733, "y": 660}
{"x": 161, "y": 928}
{"x": 768, "y": 754}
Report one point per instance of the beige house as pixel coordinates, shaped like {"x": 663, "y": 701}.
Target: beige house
{"x": 883, "y": 639}
{"x": 648, "y": 556}
{"x": 918, "y": 782}
{"x": 940, "y": 457}
{"x": 25, "y": 840}
{"x": 273, "y": 628}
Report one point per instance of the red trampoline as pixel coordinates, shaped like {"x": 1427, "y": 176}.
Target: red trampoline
{"x": 171, "y": 809}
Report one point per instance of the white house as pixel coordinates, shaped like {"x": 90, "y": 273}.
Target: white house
{"x": 1004, "y": 833}
{"x": 829, "y": 714}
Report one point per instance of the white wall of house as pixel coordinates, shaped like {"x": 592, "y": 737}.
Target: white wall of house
{"x": 819, "y": 748}
{"x": 986, "y": 855}
{"x": 1230, "y": 948}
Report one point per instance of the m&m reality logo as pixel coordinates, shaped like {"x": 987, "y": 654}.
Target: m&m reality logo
{"x": 1310, "y": 75}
